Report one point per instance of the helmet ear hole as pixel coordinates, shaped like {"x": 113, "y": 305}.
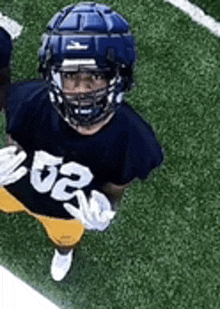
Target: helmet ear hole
{"x": 111, "y": 55}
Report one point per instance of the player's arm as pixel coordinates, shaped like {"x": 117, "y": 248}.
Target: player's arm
{"x": 114, "y": 193}
{"x": 12, "y": 142}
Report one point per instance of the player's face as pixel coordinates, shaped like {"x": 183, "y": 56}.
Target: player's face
{"x": 82, "y": 82}
{"x": 74, "y": 84}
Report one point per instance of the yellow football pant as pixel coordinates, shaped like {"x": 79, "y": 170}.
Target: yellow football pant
{"x": 63, "y": 233}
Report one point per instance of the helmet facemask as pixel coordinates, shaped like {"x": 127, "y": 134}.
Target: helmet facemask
{"x": 85, "y": 108}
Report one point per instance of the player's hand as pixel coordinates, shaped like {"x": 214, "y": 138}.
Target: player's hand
{"x": 94, "y": 213}
{"x": 9, "y": 163}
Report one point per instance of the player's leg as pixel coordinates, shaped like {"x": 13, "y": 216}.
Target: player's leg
{"x": 65, "y": 235}
{"x": 66, "y": 249}
{"x": 8, "y": 203}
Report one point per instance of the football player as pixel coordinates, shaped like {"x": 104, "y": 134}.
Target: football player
{"x": 84, "y": 143}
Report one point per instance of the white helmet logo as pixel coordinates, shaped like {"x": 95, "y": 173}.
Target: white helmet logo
{"x": 76, "y": 46}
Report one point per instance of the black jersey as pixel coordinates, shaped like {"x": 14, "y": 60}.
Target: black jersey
{"x": 61, "y": 161}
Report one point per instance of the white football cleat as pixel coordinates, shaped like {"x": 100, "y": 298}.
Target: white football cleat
{"x": 61, "y": 264}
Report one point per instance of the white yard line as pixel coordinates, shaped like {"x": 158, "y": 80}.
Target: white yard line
{"x": 13, "y": 28}
{"x": 15, "y": 293}
{"x": 197, "y": 15}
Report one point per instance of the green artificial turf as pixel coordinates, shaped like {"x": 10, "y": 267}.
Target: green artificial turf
{"x": 163, "y": 248}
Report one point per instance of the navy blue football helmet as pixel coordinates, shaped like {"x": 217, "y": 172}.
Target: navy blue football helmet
{"x": 88, "y": 37}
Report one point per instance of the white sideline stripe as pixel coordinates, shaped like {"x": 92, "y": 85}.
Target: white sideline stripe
{"x": 13, "y": 28}
{"x": 15, "y": 293}
{"x": 197, "y": 15}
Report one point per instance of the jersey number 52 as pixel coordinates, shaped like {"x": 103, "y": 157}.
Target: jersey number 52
{"x": 45, "y": 162}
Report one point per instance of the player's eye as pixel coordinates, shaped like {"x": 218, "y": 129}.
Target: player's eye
{"x": 97, "y": 76}
{"x": 69, "y": 75}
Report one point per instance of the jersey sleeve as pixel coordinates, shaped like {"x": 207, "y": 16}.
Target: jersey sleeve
{"x": 142, "y": 152}
{"x": 142, "y": 156}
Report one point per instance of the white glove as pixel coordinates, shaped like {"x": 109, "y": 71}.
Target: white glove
{"x": 9, "y": 162}
{"x": 95, "y": 214}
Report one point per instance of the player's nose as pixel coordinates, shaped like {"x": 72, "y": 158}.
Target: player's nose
{"x": 81, "y": 87}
